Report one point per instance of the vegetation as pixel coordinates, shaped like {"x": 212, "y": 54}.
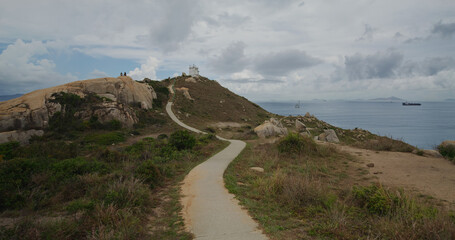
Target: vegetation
{"x": 214, "y": 103}
{"x": 447, "y": 151}
{"x": 308, "y": 191}
{"x": 162, "y": 93}
{"x": 85, "y": 189}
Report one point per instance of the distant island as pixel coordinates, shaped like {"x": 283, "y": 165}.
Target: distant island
{"x": 387, "y": 99}
{"x": 450, "y": 100}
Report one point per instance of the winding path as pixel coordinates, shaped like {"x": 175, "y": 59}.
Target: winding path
{"x": 209, "y": 210}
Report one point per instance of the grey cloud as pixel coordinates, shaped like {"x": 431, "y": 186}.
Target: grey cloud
{"x": 226, "y": 19}
{"x": 251, "y": 80}
{"x": 445, "y": 30}
{"x": 428, "y": 67}
{"x": 284, "y": 62}
{"x": 379, "y": 65}
{"x": 368, "y": 33}
{"x": 174, "y": 24}
{"x": 231, "y": 60}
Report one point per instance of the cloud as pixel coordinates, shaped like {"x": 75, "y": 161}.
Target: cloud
{"x": 368, "y": 33}
{"x": 232, "y": 59}
{"x": 284, "y": 62}
{"x": 444, "y": 30}
{"x": 98, "y": 74}
{"x": 378, "y": 65}
{"x": 23, "y": 68}
{"x": 147, "y": 70}
{"x": 227, "y": 19}
{"x": 428, "y": 67}
{"x": 173, "y": 24}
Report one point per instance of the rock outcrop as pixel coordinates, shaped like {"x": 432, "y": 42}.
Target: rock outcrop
{"x": 270, "y": 128}
{"x": 33, "y": 110}
{"x": 329, "y": 135}
{"x": 299, "y": 126}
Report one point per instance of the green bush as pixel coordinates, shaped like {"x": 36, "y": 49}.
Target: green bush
{"x": 113, "y": 125}
{"x": 48, "y": 149}
{"x": 105, "y": 138}
{"x": 447, "y": 151}
{"x": 149, "y": 173}
{"x": 295, "y": 143}
{"x": 7, "y": 149}
{"x": 72, "y": 167}
{"x": 376, "y": 199}
{"x": 80, "y": 205}
{"x": 127, "y": 193}
{"x": 15, "y": 175}
{"x": 182, "y": 140}
{"x": 207, "y": 137}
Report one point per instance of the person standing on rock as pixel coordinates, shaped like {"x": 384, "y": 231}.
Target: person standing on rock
{"x": 124, "y": 74}
{"x": 121, "y": 74}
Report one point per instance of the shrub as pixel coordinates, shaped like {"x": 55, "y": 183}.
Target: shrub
{"x": 162, "y": 136}
{"x": 182, "y": 140}
{"x": 149, "y": 173}
{"x": 16, "y": 174}
{"x": 447, "y": 151}
{"x": 127, "y": 193}
{"x": 207, "y": 137}
{"x": 48, "y": 149}
{"x": 7, "y": 149}
{"x": 72, "y": 167}
{"x": 113, "y": 125}
{"x": 295, "y": 143}
{"x": 80, "y": 205}
{"x": 105, "y": 138}
{"x": 375, "y": 198}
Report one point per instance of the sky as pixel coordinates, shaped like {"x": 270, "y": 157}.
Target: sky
{"x": 264, "y": 50}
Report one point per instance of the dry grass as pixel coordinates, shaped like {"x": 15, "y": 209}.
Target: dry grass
{"x": 311, "y": 194}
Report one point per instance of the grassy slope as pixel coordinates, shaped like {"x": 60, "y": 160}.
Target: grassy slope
{"x": 86, "y": 180}
{"x": 214, "y": 103}
{"x": 316, "y": 192}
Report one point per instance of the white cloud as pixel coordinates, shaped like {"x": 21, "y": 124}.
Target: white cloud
{"x": 23, "y": 68}
{"x": 98, "y": 74}
{"x": 147, "y": 70}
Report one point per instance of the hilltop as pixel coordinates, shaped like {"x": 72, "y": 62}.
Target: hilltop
{"x": 207, "y": 105}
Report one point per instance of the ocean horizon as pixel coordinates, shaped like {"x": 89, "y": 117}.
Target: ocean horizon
{"x": 424, "y": 126}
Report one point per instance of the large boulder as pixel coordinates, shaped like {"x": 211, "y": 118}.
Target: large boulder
{"x": 270, "y": 128}
{"x": 329, "y": 135}
{"x": 33, "y": 110}
{"x": 299, "y": 126}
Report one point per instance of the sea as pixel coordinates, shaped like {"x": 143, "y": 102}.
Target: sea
{"x": 424, "y": 126}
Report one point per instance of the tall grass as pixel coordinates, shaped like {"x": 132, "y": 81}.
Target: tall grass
{"x": 308, "y": 192}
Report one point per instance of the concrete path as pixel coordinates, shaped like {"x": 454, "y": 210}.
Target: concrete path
{"x": 209, "y": 210}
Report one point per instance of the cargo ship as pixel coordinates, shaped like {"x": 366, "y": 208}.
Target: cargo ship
{"x": 411, "y": 104}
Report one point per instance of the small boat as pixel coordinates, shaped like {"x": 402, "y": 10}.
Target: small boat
{"x": 297, "y": 105}
{"x": 411, "y": 104}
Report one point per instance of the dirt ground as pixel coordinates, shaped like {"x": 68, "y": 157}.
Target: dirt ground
{"x": 425, "y": 175}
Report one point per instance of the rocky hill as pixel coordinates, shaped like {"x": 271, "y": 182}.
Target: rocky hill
{"x": 205, "y": 104}
{"x": 107, "y": 99}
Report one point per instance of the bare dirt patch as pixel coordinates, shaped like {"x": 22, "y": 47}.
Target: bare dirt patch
{"x": 426, "y": 175}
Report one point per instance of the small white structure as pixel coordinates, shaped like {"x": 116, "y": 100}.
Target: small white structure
{"x": 194, "y": 71}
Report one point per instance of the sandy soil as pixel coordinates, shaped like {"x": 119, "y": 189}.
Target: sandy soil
{"x": 426, "y": 175}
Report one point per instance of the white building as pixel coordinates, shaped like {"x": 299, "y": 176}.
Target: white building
{"x": 194, "y": 71}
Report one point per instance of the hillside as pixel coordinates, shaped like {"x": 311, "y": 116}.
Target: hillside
{"x": 106, "y": 99}
{"x": 212, "y": 107}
